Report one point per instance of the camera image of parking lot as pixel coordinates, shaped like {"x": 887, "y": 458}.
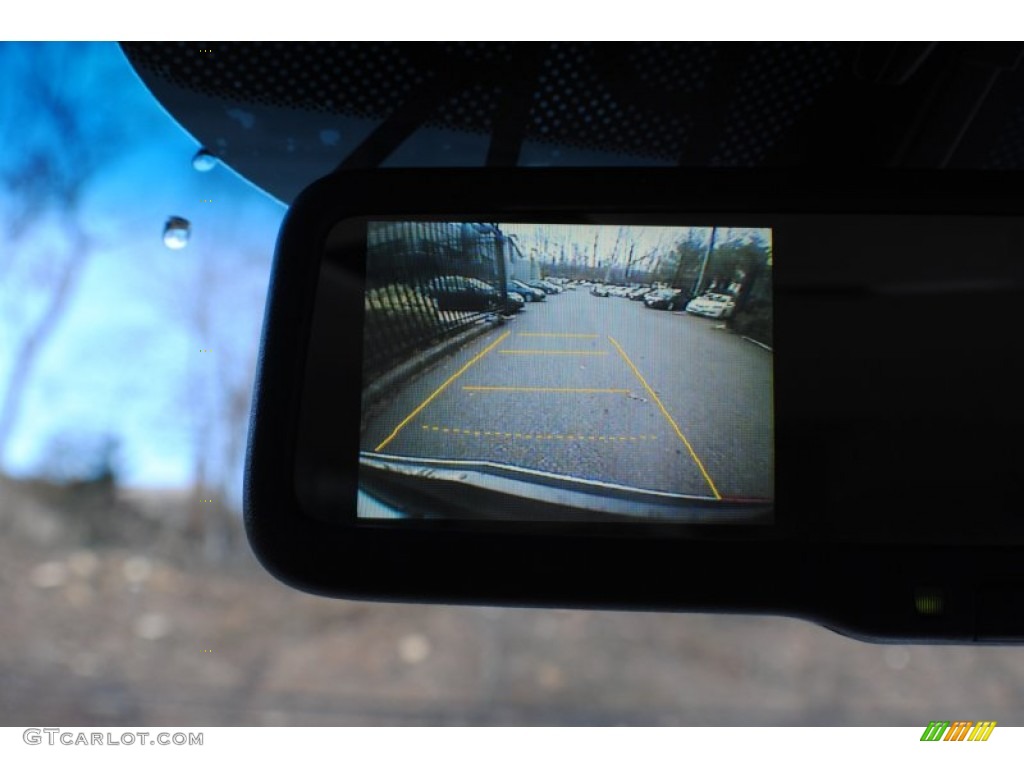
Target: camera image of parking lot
{"x": 624, "y": 356}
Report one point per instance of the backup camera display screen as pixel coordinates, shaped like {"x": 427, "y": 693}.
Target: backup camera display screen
{"x": 519, "y": 371}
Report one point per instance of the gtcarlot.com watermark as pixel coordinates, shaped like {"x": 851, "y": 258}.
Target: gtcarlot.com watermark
{"x": 56, "y": 736}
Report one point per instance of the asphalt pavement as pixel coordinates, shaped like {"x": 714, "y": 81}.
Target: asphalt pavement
{"x": 597, "y": 388}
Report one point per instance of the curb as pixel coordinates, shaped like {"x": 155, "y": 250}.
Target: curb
{"x": 761, "y": 344}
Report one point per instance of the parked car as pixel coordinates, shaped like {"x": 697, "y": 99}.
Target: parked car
{"x": 528, "y": 292}
{"x": 545, "y": 286}
{"x": 637, "y": 294}
{"x": 458, "y": 293}
{"x": 515, "y": 303}
{"x": 712, "y": 305}
{"x": 665, "y": 298}
{"x": 599, "y": 290}
{"x": 512, "y": 288}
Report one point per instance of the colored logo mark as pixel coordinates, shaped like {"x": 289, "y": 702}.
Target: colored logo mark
{"x": 958, "y": 730}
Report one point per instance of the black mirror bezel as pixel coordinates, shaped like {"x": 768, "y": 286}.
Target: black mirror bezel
{"x": 798, "y": 574}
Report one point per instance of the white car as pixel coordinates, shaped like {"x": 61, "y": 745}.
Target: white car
{"x": 712, "y": 305}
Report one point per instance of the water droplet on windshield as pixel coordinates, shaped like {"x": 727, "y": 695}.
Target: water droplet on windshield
{"x": 329, "y": 137}
{"x": 176, "y": 232}
{"x": 204, "y": 161}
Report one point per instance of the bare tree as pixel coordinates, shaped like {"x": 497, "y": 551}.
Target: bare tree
{"x": 57, "y": 140}
{"x": 214, "y": 291}
{"x": 219, "y": 435}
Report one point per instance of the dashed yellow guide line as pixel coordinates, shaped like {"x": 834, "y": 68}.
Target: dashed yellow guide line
{"x": 535, "y": 435}
{"x": 546, "y": 389}
{"x": 559, "y": 335}
{"x": 668, "y": 417}
{"x": 549, "y": 352}
{"x": 439, "y": 390}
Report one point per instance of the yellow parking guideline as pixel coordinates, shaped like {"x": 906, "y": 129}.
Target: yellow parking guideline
{"x": 549, "y": 352}
{"x": 534, "y": 435}
{"x": 668, "y": 417}
{"x": 439, "y": 390}
{"x": 545, "y": 389}
{"x": 560, "y": 335}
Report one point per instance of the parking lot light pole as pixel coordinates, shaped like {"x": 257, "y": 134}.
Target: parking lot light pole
{"x": 704, "y": 264}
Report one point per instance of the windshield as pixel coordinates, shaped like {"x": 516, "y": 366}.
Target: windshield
{"x": 128, "y": 595}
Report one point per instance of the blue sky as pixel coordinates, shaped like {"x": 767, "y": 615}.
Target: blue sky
{"x": 124, "y": 358}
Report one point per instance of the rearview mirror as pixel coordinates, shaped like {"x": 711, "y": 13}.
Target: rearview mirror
{"x": 653, "y": 389}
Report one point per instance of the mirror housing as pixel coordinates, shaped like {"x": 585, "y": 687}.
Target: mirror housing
{"x": 894, "y": 508}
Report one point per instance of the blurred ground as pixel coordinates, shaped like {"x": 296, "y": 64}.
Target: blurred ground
{"x": 110, "y": 615}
